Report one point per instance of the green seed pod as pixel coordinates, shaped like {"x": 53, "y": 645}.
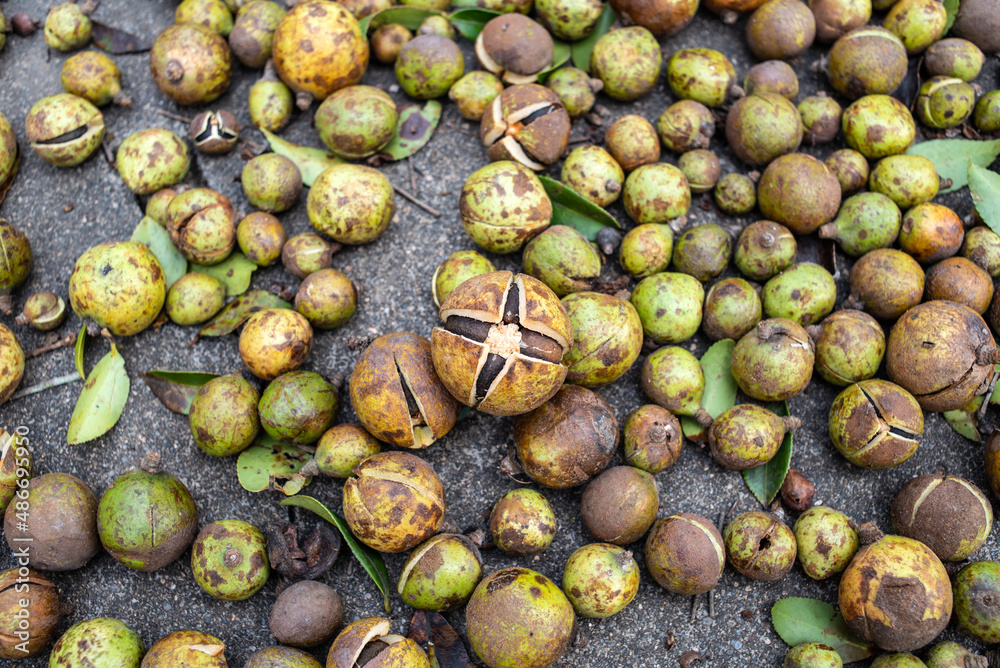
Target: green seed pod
{"x": 849, "y": 348}
{"x": 949, "y": 654}
{"x": 223, "y": 416}
{"x": 908, "y": 180}
{"x": 632, "y": 142}
{"x": 986, "y": 117}
{"x": 9, "y": 152}
{"x": 763, "y": 126}
{"x": 457, "y": 268}
{"x": 804, "y": 293}
{"x": 773, "y": 362}
{"x": 94, "y": 77}
{"x": 669, "y": 305}
{"x": 865, "y": 222}
{"x": 701, "y": 168}
{"x": 850, "y": 168}
{"x": 876, "y": 424}
{"x": 119, "y": 286}
{"x": 200, "y": 223}
{"x": 570, "y": 20}
{"x": 627, "y": 61}
{"x": 600, "y": 580}
{"x": 275, "y": 341}
{"x": 363, "y": 8}
{"x": 100, "y": 641}
{"x": 213, "y": 14}
{"x": 261, "y": 237}
{"x": 897, "y": 660}
{"x": 780, "y": 30}
{"x": 732, "y": 308}
{"x": 475, "y": 91}
{"x": 327, "y": 298}
{"x": 357, "y": 121}
{"x": 195, "y": 298}
{"x": 298, "y": 407}
{"x": 428, "y": 65}
{"x": 867, "y": 61}
{"x": 229, "y": 560}
{"x": 15, "y": 262}
{"x": 835, "y": 18}
{"x": 800, "y": 192}
{"x": 67, "y": 28}
{"x": 764, "y": 249}
{"x": 685, "y": 125}
{"x": 982, "y": 246}
{"x": 607, "y": 338}
{"x": 191, "y": 64}
{"x": 436, "y": 25}
{"x": 927, "y": 504}
{"x": 886, "y": 282}
{"x": 772, "y": 76}
{"x": 441, "y": 574}
{"x": 685, "y": 554}
{"x": 156, "y": 205}
{"x": 494, "y": 216}
{"x": 270, "y": 103}
{"x": 656, "y": 194}
{"x": 918, "y": 23}
{"x": 272, "y": 182}
{"x": 563, "y": 259}
{"x": 954, "y": 57}
{"x": 945, "y": 102}
{"x": 646, "y": 249}
{"x": 188, "y": 648}
{"x": 878, "y": 126}
{"x": 827, "y": 541}
{"x": 673, "y": 378}
{"x": 977, "y": 593}
{"x": 367, "y": 212}
{"x": 748, "y": 435}
{"x": 593, "y": 174}
{"x": 575, "y": 88}
{"x": 253, "y": 32}
{"x": 652, "y": 438}
{"x": 306, "y": 253}
{"x": 760, "y": 546}
{"x": 342, "y": 448}
{"x": 64, "y": 130}
{"x": 16, "y": 463}
{"x": 813, "y": 654}
{"x": 136, "y": 154}
{"x": 735, "y": 194}
{"x": 702, "y": 75}
{"x": 279, "y": 656}
{"x": 703, "y": 251}
{"x": 821, "y": 118}
{"x": 11, "y": 363}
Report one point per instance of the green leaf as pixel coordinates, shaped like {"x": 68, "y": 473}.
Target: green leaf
{"x": 152, "y": 234}
{"x": 560, "y": 54}
{"x": 176, "y": 389}
{"x": 237, "y": 311}
{"x": 951, "y": 11}
{"x": 965, "y": 420}
{"x": 101, "y": 401}
{"x": 985, "y": 187}
{"x": 81, "y": 342}
{"x": 414, "y": 129}
{"x": 411, "y": 17}
{"x": 369, "y": 559}
{"x": 266, "y": 462}
{"x": 951, "y": 157}
{"x": 311, "y": 161}
{"x": 799, "y": 620}
{"x": 234, "y": 272}
{"x": 720, "y": 387}
{"x": 569, "y": 208}
{"x": 583, "y": 48}
{"x": 765, "y": 480}
{"x": 469, "y": 22}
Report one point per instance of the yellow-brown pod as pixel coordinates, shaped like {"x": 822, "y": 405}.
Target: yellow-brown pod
{"x": 367, "y": 643}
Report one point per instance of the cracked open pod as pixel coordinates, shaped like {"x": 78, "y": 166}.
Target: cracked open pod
{"x": 397, "y": 394}
{"x": 514, "y": 48}
{"x": 502, "y": 342}
{"x": 367, "y": 643}
{"x": 394, "y": 502}
{"x": 526, "y": 123}
{"x": 64, "y": 130}
{"x": 503, "y": 205}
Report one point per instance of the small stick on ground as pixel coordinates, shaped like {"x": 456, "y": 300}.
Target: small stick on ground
{"x": 49, "y": 384}
{"x": 414, "y": 186}
{"x": 176, "y": 117}
{"x": 694, "y": 607}
{"x": 65, "y": 341}
{"x": 426, "y": 207}
{"x": 108, "y": 155}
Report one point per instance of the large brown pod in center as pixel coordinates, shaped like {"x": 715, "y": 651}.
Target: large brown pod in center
{"x": 942, "y": 353}
{"x": 800, "y": 192}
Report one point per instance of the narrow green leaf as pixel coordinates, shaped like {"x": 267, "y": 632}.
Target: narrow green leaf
{"x": 101, "y": 401}
{"x": 176, "y": 389}
{"x": 765, "y": 480}
{"x": 569, "y": 208}
{"x": 583, "y": 48}
{"x": 951, "y": 11}
{"x": 81, "y": 342}
{"x": 951, "y": 157}
{"x": 414, "y": 129}
{"x": 311, "y": 161}
{"x": 720, "y": 387}
{"x": 266, "y": 463}
{"x": 369, "y": 559}
{"x": 234, "y": 272}
{"x": 965, "y": 420}
{"x": 469, "y": 22}
{"x": 560, "y": 54}
{"x": 152, "y": 234}
{"x": 237, "y": 311}
{"x": 799, "y": 620}
{"x": 985, "y": 187}
{"x": 411, "y": 17}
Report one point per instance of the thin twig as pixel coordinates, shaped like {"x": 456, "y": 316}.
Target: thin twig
{"x": 107, "y": 154}
{"x": 65, "y": 341}
{"x": 176, "y": 117}
{"x": 49, "y": 384}
{"x": 694, "y": 608}
{"x": 414, "y": 186}
{"x": 426, "y": 207}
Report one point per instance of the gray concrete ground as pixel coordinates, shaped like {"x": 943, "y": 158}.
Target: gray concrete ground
{"x": 66, "y": 211}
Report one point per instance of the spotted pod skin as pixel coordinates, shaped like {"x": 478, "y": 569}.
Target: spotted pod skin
{"x": 782, "y": 29}
{"x": 441, "y": 574}
{"x": 229, "y": 560}
{"x": 887, "y": 282}
{"x": 673, "y": 378}
{"x": 191, "y": 64}
{"x": 804, "y": 293}
{"x": 849, "y": 348}
{"x": 760, "y": 546}
{"x": 878, "y": 126}
{"x": 896, "y": 593}
{"x": 959, "y": 280}
{"x": 67, "y": 27}
{"x": 669, "y": 305}
{"x": 656, "y": 193}
{"x": 94, "y": 77}
{"x": 897, "y": 660}
{"x": 357, "y": 121}
{"x": 685, "y": 554}
{"x": 275, "y": 341}
{"x": 732, "y": 308}
{"x": 428, "y": 65}
{"x": 397, "y": 395}
{"x": 607, "y": 338}
{"x": 600, "y": 580}
{"x": 252, "y": 36}
{"x": 620, "y": 505}
{"x": 518, "y": 618}
{"x": 652, "y": 438}
{"x": 702, "y": 75}
{"x": 503, "y": 205}
{"x": 522, "y": 523}
{"x": 353, "y": 204}
{"x": 918, "y": 23}
{"x": 977, "y": 595}
{"x": 563, "y": 259}
{"x": 747, "y": 435}
{"x": 457, "y": 268}
{"x": 201, "y": 225}
{"x": 593, "y": 174}
{"x": 100, "y": 641}
{"x": 876, "y": 424}
{"x": 948, "y": 514}
{"x": 865, "y": 222}
{"x": 866, "y": 61}
{"x": 826, "y": 541}
{"x": 908, "y": 180}
{"x": 11, "y": 364}
{"x": 763, "y": 249}
{"x": 799, "y": 192}
{"x": 278, "y": 656}
{"x": 9, "y": 151}
{"x": 628, "y": 61}
{"x": 192, "y": 649}
{"x": 327, "y": 298}
{"x": 763, "y": 126}
{"x": 632, "y": 141}
{"x": 118, "y": 285}
{"x": 342, "y": 447}
{"x": 152, "y": 159}
{"x": 271, "y": 182}
{"x": 52, "y": 119}
{"x": 812, "y": 655}
{"x": 949, "y": 654}
{"x": 646, "y": 249}
{"x": 223, "y": 415}
{"x": 394, "y": 502}
{"x": 194, "y": 298}
{"x": 298, "y": 407}
{"x": 774, "y": 361}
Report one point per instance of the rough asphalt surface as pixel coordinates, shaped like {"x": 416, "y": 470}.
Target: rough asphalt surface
{"x": 66, "y": 211}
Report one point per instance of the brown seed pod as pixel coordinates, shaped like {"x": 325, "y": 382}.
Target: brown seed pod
{"x": 797, "y": 491}
{"x": 526, "y": 123}
{"x": 214, "y": 132}
{"x": 886, "y": 282}
{"x": 191, "y": 64}
{"x": 44, "y": 612}
{"x": 959, "y": 280}
{"x": 931, "y": 232}
{"x": 620, "y": 505}
{"x": 522, "y": 523}
{"x": 760, "y": 546}
{"x": 780, "y": 29}
{"x": 663, "y": 18}
{"x": 306, "y": 614}
{"x": 514, "y": 48}
{"x": 685, "y": 554}
{"x": 632, "y": 142}
{"x": 876, "y": 424}
{"x": 948, "y": 514}
{"x": 653, "y": 439}
{"x": 367, "y": 643}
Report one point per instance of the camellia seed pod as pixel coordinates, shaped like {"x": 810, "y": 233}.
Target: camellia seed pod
{"x": 646, "y": 249}
{"x": 42, "y": 608}
{"x": 732, "y": 308}
{"x": 918, "y": 23}
{"x": 522, "y": 523}
{"x": 394, "y": 502}
{"x": 685, "y": 554}
{"x": 763, "y": 126}
{"x": 949, "y": 654}
{"x": 748, "y": 435}
{"x": 627, "y": 61}
{"x": 764, "y": 249}
{"x": 327, "y": 298}
{"x": 576, "y": 90}
{"x": 306, "y": 614}
{"x": 876, "y": 424}
{"x": 774, "y": 361}
{"x": 270, "y": 101}
{"x": 307, "y": 253}
{"x": 64, "y": 130}
{"x": 252, "y": 36}
{"x": 457, "y": 268}
{"x": 44, "y": 311}
{"x": 813, "y": 655}
{"x": 526, "y": 123}
{"x": 701, "y": 168}
{"x": 896, "y": 593}
{"x": 702, "y": 75}
{"x": 878, "y": 126}
{"x": 850, "y": 168}
{"x": 99, "y": 640}
{"x": 945, "y": 102}
{"x": 954, "y": 57}
{"x": 298, "y": 407}
{"x": 836, "y": 18}
{"x": 976, "y": 589}
{"x": 201, "y": 225}
{"x": 397, "y": 395}
{"x": 772, "y": 76}
{"x": 977, "y": 21}
{"x": 67, "y": 27}
{"x": 279, "y": 656}
{"x": 908, "y": 180}
{"x": 821, "y": 118}
{"x": 600, "y": 580}
{"x": 186, "y": 648}
{"x": 800, "y": 192}
{"x": 357, "y": 121}
{"x": 607, "y": 338}
{"x": 163, "y": 149}
{"x": 213, "y": 14}
{"x": 367, "y": 643}
{"x": 94, "y": 77}
{"x": 223, "y": 416}
{"x": 275, "y": 341}
{"x": 826, "y": 540}
{"x": 735, "y": 194}
{"x": 866, "y": 221}
{"x": 632, "y": 142}
{"x": 620, "y": 505}
{"x": 563, "y": 259}
{"x": 956, "y": 279}
{"x": 11, "y": 363}
{"x": 16, "y": 260}
{"x": 353, "y": 204}
{"x": 673, "y": 378}
{"x": 119, "y": 286}
{"x": 261, "y": 238}
{"x": 760, "y": 546}
{"x": 868, "y": 60}
{"x": 503, "y": 205}
{"x": 780, "y": 29}
{"x": 441, "y": 574}
{"x": 656, "y": 193}
{"x": 931, "y": 232}
{"x": 502, "y": 342}
{"x": 948, "y": 514}
{"x": 982, "y": 246}
{"x": 514, "y": 48}
{"x": 669, "y": 305}
{"x": 214, "y": 132}
{"x": 342, "y": 447}
{"x": 703, "y": 251}
{"x": 271, "y": 182}
{"x": 886, "y": 282}
{"x": 191, "y": 64}
{"x": 229, "y": 560}
{"x": 663, "y": 18}
{"x": 652, "y": 438}
{"x": 428, "y": 65}
{"x": 593, "y": 174}
{"x": 475, "y": 91}
{"x": 849, "y": 347}
{"x": 804, "y": 293}
{"x": 16, "y": 465}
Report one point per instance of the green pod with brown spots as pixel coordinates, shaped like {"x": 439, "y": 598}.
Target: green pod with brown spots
{"x": 865, "y": 222}
{"x": 474, "y": 92}
{"x": 593, "y": 174}
{"x": 876, "y": 424}
{"x": 627, "y": 61}
{"x": 764, "y": 249}
{"x": 261, "y": 238}
{"x": 271, "y": 182}
{"x": 193, "y": 649}
{"x": 866, "y": 61}
{"x": 976, "y": 590}
{"x": 703, "y": 251}
{"x": 522, "y": 523}
{"x": 804, "y": 293}
{"x": 908, "y": 180}
{"x": 685, "y": 125}
{"x": 850, "y": 168}
{"x": 503, "y": 205}
{"x": 191, "y": 64}
{"x": 99, "y": 641}
{"x": 886, "y": 282}
{"x": 229, "y": 560}
{"x": 685, "y": 554}
{"x": 878, "y": 126}
{"x": 64, "y": 130}
{"x": 298, "y": 407}
{"x": 194, "y": 298}
{"x": 119, "y": 286}
{"x": 279, "y": 656}
{"x": 760, "y": 546}
{"x": 252, "y": 35}
{"x": 800, "y": 192}
{"x": 674, "y": 379}
{"x": 735, "y": 194}
{"x": 441, "y": 574}
{"x": 780, "y": 30}
{"x": 201, "y": 225}
{"x": 428, "y": 65}
{"x": 945, "y": 102}
{"x": 270, "y": 102}
{"x": 357, "y": 121}
{"x": 213, "y": 14}
{"x": 353, "y": 204}
{"x": 342, "y": 447}
{"x": 67, "y": 27}
{"x": 774, "y": 361}
{"x": 763, "y": 126}
{"x": 457, "y": 268}
{"x": 954, "y": 57}
{"x": 701, "y": 168}
{"x": 563, "y": 259}
{"x": 732, "y": 308}
{"x": 949, "y": 654}
{"x": 702, "y": 75}
{"x": 651, "y": 438}
{"x": 821, "y": 116}
{"x": 16, "y": 260}
{"x": 946, "y": 513}
{"x": 223, "y": 417}
{"x": 646, "y": 249}
{"x": 826, "y": 540}
{"x": 917, "y": 23}
{"x": 275, "y": 341}
{"x": 748, "y": 435}
{"x": 327, "y": 298}
{"x": 152, "y": 159}
{"x": 398, "y": 396}
{"x": 394, "y": 502}
{"x": 368, "y": 642}
{"x": 9, "y": 152}
{"x": 576, "y": 90}
{"x": 632, "y": 142}
{"x": 607, "y": 338}
{"x": 307, "y": 253}
{"x": 982, "y": 246}
{"x": 850, "y": 346}
{"x": 669, "y": 305}
{"x": 986, "y": 116}
{"x": 600, "y": 580}
{"x": 94, "y": 77}
{"x": 812, "y": 655}
{"x": 11, "y": 363}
